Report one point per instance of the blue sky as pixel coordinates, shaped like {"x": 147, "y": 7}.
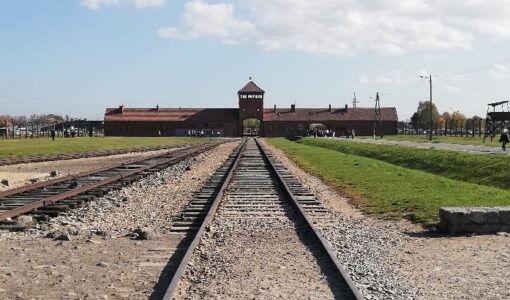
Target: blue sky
{"x": 77, "y": 57}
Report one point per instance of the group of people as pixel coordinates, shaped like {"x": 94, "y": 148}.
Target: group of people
{"x": 329, "y": 133}
{"x": 67, "y": 133}
{"x": 321, "y": 133}
{"x": 201, "y": 133}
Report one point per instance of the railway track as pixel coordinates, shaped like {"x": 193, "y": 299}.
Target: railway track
{"x": 13, "y": 160}
{"x": 53, "y": 197}
{"x": 251, "y": 186}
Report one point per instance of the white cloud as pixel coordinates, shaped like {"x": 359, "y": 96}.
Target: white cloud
{"x": 499, "y": 72}
{"x": 210, "y": 20}
{"x": 96, "y": 4}
{"x": 454, "y": 90}
{"x": 386, "y": 78}
{"x": 346, "y": 27}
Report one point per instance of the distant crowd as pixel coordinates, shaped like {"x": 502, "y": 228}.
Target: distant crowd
{"x": 328, "y": 133}
{"x": 202, "y": 133}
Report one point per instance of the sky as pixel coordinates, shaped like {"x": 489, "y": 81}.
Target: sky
{"x": 77, "y": 57}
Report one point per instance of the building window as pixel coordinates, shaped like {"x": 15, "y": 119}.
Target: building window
{"x": 300, "y": 126}
{"x": 270, "y": 127}
{"x": 206, "y": 125}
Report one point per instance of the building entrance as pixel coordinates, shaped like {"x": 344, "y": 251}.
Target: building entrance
{"x": 251, "y": 127}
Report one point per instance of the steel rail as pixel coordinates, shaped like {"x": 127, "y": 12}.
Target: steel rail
{"x": 42, "y": 184}
{"x": 13, "y": 160}
{"x": 172, "y": 288}
{"x": 318, "y": 236}
{"x": 45, "y": 201}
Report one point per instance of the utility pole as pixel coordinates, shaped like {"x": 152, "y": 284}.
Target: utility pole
{"x": 430, "y": 86}
{"x": 354, "y": 101}
{"x": 377, "y": 116}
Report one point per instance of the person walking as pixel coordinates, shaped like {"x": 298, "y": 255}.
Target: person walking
{"x": 503, "y": 139}
{"x": 53, "y": 134}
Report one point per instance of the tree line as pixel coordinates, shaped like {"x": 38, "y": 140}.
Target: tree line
{"x": 421, "y": 118}
{"x": 23, "y": 121}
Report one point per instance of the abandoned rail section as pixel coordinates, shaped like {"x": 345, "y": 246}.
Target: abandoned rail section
{"x": 52, "y": 197}
{"x": 13, "y": 160}
{"x": 251, "y": 185}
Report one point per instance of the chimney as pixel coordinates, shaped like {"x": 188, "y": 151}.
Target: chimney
{"x": 121, "y": 108}
{"x": 346, "y": 107}
{"x": 274, "y": 110}
{"x": 292, "y": 107}
{"x": 157, "y": 106}
{"x": 329, "y": 108}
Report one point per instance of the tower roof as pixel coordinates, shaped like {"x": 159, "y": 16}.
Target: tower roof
{"x": 251, "y": 87}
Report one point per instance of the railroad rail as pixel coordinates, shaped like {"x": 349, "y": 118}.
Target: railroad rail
{"x": 251, "y": 184}
{"x": 52, "y": 197}
{"x": 13, "y": 160}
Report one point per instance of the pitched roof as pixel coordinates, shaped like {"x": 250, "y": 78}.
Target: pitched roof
{"x": 324, "y": 115}
{"x": 251, "y": 87}
{"x": 173, "y": 114}
{"x": 219, "y": 115}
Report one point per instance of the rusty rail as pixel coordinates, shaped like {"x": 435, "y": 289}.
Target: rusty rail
{"x": 13, "y": 160}
{"x": 11, "y": 202}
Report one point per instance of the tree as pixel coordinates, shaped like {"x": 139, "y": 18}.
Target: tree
{"x": 457, "y": 116}
{"x": 422, "y": 114}
{"x": 415, "y": 122}
{"x": 446, "y": 116}
{"x": 5, "y": 121}
{"x": 20, "y": 121}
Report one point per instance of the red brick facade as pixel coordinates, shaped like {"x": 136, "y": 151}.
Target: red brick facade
{"x": 229, "y": 121}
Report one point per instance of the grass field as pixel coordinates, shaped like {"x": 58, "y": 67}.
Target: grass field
{"x": 477, "y": 141}
{"x": 390, "y": 190}
{"x": 31, "y": 147}
{"x": 490, "y": 170}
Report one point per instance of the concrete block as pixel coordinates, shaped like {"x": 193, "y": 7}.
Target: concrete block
{"x": 480, "y": 220}
{"x": 504, "y": 215}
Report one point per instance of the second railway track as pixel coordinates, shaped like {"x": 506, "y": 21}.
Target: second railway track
{"x": 52, "y": 197}
{"x": 252, "y": 189}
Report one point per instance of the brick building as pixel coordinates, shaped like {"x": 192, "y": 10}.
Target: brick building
{"x": 249, "y": 118}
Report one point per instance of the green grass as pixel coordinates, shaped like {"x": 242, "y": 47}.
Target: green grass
{"x": 477, "y": 141}
{"x": 490, "y": 170}
{"x": 43, "y": 146}
{"x": 388, "y": 190}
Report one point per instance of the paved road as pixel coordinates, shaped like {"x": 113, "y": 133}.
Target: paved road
{"x": 443, "y": 146}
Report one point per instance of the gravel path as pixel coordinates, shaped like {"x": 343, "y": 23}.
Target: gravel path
{"x": 254, "y": 259}
{"x": 399, "y": 260}
{"x": 99, "y": 262}
{"x": 428, "y": 145}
